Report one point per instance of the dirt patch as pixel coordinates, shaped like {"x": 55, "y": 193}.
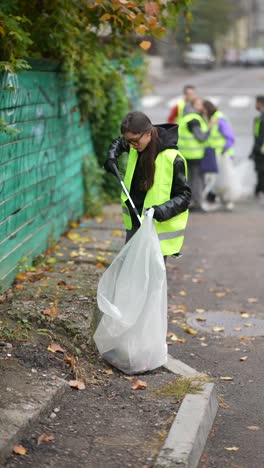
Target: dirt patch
{"x": 108, "y": 424}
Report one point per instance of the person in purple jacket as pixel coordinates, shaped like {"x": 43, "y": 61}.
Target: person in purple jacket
{"x": 222, "y": 140}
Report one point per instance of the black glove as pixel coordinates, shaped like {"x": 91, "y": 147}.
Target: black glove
{"x": 109, "y": 163}
{"x": 157, "y": 213}
{"x": 117, "y": 147}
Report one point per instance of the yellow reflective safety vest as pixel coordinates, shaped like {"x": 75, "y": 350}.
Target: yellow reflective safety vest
{"x": 216, "y": 140}
{"x": 170, "y": 232}
{"x": 187, "y": 143}
{"x": 257, "y": 121}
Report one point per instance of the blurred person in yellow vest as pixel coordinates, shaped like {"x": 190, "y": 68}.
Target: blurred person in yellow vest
{"x": 194, "y": 132}
{"x": 184, "y": 105}
{"x": 222, "y": 140}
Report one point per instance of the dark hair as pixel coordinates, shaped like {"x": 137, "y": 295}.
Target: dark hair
{"x": 135, "y": 122}
{"x": 260, "y": 99}
{"x": 209, "y": 107}
{"x": 138, "y": 122}
{"x": 188, "y": 86}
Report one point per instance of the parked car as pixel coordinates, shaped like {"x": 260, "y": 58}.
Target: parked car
{"x": 252, "y": 57}
{"x": 198, "y": 55}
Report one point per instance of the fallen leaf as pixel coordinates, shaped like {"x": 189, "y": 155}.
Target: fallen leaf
{"x": 77, "y": 384}
{"x": 247, "y": 324}
{"x": 183, "y": 293}
{"x": 19, "y": 450}
{"x": 99, "y": 219}
{"x": 252, "y": 300}
{"x": 101, "y": 259}
{"x": 51, "y": 260}
{"x": 200, "y": 319}
{"x": 70, "y": 287}
{"x": 191, "y": 331}
{"x": 175, "y": 309}
{"x": 74, "y": 236}
{"x": 99, "y": 265}
{"x": 55, "y": 348}
{"x": 145, "y": 45}
{"x": 45, "y": 438}
{"x": 198, "y": 280}
{"x": 73, "y": 254}
{"x": 237, "y": 329}
{"x": 204, "y": 344}
{"x": 220, "y": 294}
{"x": 74, "y": 225}
{"x": 232, "y": 449}
{"x": 22, "y": 277}
{"x": 243, "y": 358}
{"x": 244, "y": 315}
{"x": 226, "y": 378}
{"x": 139, "y": 385}
{"x": 174, "y": 321}
{"x": 84, "y": 240}
{"x": 253, "y": 428}
{"x": 108, "y": 371}
{"x": 200, "y": 311}
{"x": 218, "y": 329}
{"x": 117, "y": 233}
{"x": 175, "y": 339}
{"x": 70, "y": 361}
{"x": 19, "y": 286}
{"x": 199, "y": 270}
{"x": 51, "y": 311}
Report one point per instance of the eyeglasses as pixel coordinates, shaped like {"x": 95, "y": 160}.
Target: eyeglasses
{"x": 134, "y": 141}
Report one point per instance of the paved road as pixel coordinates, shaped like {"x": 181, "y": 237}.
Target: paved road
{"x": 232, "y": 89}
{"x": 221, "y": 275}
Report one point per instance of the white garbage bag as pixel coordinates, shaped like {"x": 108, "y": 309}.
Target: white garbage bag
{"x": 234, "y": 181}
{"x": 132, "y": 294}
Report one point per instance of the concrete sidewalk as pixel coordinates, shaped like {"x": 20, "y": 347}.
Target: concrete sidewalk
{"x": 57, "y": 303}
{"x": 216, "y": 316}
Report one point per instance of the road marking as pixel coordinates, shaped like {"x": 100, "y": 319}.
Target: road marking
{"x": 172, "y": 102}
{"x": 214, "y": 99}
{"x": 150, "y": 101}
{"x": 240, "y": 101}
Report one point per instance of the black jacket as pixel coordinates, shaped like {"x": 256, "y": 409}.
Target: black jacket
{"x": 180, "y": 196}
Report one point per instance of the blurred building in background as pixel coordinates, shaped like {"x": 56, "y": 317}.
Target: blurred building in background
{"x": 243, "y": 29}
{"x": 247, "y": 28}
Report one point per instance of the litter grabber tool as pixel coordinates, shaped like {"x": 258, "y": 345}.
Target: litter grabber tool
{"x": 118, "y": 175}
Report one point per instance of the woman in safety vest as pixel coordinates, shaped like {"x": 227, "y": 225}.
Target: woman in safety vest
{"x": 193, "y": 139}
{"x": 156, "y": 176}
{"x": 222, "y": 139}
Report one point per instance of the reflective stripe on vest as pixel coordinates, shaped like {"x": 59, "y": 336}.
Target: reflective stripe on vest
{"x": 216, "y": 139}
{"x": 170, "y": 232}
{"x": 171, "y": 235}
{"x": 187, "y": 143}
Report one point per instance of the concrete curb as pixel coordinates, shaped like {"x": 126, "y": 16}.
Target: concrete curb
{"x": 17, "y": 419}
{"x": 188, "y": 434}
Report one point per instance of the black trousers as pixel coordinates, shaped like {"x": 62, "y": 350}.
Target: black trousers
{"x": 131, "y": 233}
{"x": 260, "y": 180}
